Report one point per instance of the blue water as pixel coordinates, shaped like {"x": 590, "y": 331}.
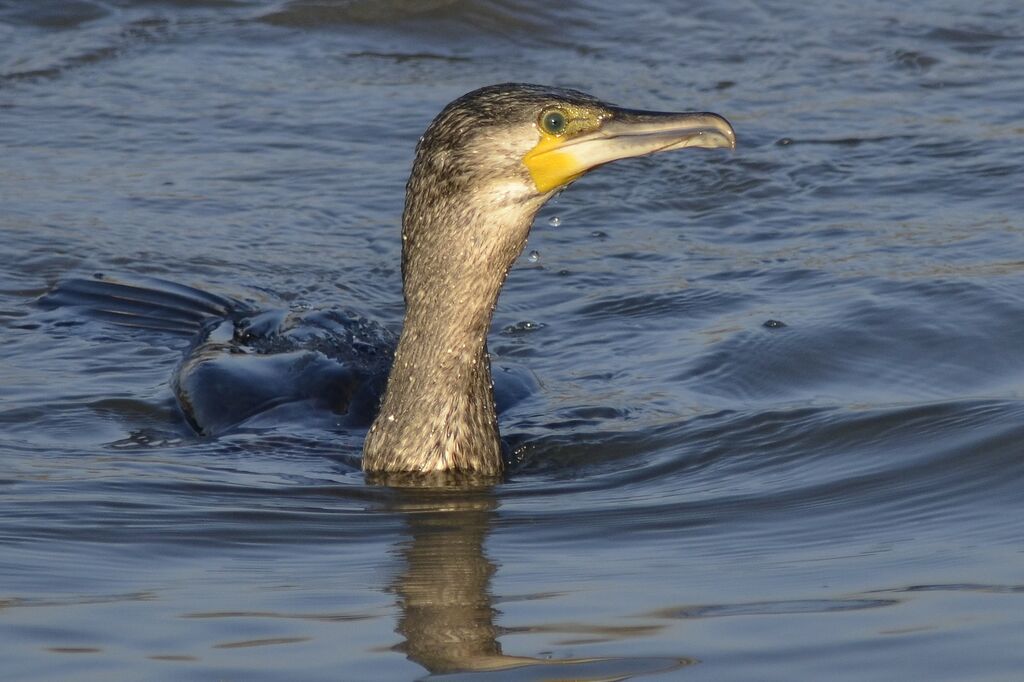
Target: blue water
{"x": 695, "y": 494}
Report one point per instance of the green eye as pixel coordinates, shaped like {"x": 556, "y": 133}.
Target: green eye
{"x": 553, "y": 122}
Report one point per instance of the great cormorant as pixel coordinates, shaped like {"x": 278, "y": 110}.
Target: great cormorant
{"x": 483, "y": 168}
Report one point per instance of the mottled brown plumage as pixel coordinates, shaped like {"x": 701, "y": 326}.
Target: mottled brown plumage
{"x": 470, "y": 202}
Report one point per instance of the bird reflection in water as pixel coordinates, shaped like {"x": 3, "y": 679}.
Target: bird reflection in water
{"x": 447, "y": 614}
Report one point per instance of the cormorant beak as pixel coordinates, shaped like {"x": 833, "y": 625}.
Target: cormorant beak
{"x": 624, "y": 134}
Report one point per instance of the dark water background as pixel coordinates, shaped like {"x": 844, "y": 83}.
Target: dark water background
{"x": 695, "y": 495}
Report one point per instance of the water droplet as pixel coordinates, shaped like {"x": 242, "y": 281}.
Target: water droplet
{"x": 774, "y": 324}
{"x": 522, "y": 327}
{"x": 554, "y": 221}
{"x": 598, "y": 234}
{"x": 534, "y": 256}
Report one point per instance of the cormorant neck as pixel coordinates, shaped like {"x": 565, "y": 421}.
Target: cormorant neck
{"x": 438, "y": 412}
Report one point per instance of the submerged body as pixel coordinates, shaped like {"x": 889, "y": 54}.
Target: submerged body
{"x": 483, "y": 169}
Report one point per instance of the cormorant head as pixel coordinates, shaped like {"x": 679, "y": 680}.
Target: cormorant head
{"x": 526, "y": 141}
{"x": 492, "y": 157}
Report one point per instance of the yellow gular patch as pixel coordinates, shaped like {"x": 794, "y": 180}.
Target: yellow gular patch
{"x": 549, "y": 167}
{"x": 549, "y": 164}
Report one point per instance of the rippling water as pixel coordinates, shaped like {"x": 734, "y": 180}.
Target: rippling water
{"x": 778, "y": 432}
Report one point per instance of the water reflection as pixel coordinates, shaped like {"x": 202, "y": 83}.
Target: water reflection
{"x": 444, "y": 593}
{"x": 447, "y": 614}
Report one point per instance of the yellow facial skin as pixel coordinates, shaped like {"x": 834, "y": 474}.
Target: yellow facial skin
{"x": 574, "y": 139}
{"x": 549, "y": 163}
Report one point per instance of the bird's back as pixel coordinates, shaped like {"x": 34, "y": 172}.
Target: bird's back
{"x": 242, "y": 361}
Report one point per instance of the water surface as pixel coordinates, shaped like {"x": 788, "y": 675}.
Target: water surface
{"x": 694, "y": 493}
